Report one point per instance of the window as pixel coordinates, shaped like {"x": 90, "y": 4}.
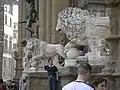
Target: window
{"x": 100, "y": 11}
{"x": 4, "y": 63}
{"x": 5, "y": 19}
{"x": 108, "y": 11}
{"x": 9, "y": 64}
{"x": 5, "y": 8}
{"x": 10, "y": 45}
{"x": 10, "y": 22}
{"x": 3, "y": 73}
{"x": 14, "y": 26}
{"x": 93, "y": 10}
{"x": 10, "y": 10}
{"x": 6, "y": 44}
{"x": 14, "y": 46}
{"x": 73, "y": 3}
{"x": 14, "y": 35}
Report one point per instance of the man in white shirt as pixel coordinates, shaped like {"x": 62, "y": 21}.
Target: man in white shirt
{"x": 80, "y": 83}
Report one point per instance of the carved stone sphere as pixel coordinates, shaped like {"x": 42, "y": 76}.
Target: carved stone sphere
{"x": 73, "y": 53}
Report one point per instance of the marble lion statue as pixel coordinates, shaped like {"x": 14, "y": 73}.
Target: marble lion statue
{"x": 40, "y": 51}
{"x": 73, "y": 22}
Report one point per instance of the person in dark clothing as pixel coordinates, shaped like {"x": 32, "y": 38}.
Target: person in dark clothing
{"x": 12, "y": 85}
{"x": 52, "y": 74}
{"x": 2, "y": 86}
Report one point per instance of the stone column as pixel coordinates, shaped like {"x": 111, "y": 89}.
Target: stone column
{"x": 48, "y": 20}
{"x": 21, "y": 27}
{"x": 113, "y": 65}
{"x": 1, "y": 35}
{"x": 42, "y": 18}
{"x": 21, "y": 36}
{"x": 57, "y": 6}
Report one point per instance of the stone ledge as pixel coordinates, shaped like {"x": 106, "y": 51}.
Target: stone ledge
{"x": 113, "y": 38}
{"x": 72, "y": 71}
{"x": 107, "y": 74}
{"x": 37, "y": 75}
{"x": 68, "y": 70}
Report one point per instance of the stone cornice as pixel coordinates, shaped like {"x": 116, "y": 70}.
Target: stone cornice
{"x": 112, "y": 3}
{"x": 84, "y": 2}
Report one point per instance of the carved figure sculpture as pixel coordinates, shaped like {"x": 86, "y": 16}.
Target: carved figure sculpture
{"x": 26, "y": 61}
{"x": 31, "y": 16}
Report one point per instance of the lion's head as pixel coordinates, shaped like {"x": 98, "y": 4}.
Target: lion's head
{"x": 73, "y": 22}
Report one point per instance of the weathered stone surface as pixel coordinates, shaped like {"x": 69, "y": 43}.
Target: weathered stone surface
{"x": 112, "y": 2}
{"x": 67, "y": 75}
{"x": 113, "y": 40}
{"x": 37, "y": 81}
{"x": 111, "y": 70}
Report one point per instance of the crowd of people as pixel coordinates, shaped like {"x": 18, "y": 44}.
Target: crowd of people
{"x": 12, "y": 85}
{"x": 9, "y": 85}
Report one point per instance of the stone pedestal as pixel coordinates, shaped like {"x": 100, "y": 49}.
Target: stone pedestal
{"x": 37, "y": 81}
{"x": 99, "y": 61}
{"x": 70, "y": 62}
{"x": 75, "y": 62}
{"x": 67, "y": 74}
